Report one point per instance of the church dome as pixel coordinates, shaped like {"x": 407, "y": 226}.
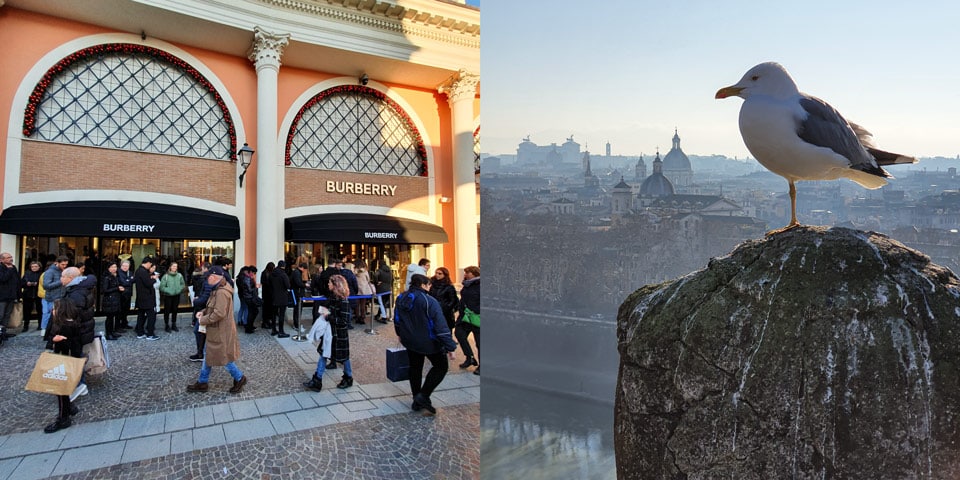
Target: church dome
{"x": 656, "y": 185}
{"x": 675, "y": 158}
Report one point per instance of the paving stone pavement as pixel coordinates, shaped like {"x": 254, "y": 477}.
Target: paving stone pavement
{"x": 139, "y": 420}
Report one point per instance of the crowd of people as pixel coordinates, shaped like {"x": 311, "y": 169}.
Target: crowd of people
{"x": 62, "y": 299}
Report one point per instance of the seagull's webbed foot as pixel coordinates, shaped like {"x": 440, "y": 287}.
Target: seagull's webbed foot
{"x": 791, "y": 226}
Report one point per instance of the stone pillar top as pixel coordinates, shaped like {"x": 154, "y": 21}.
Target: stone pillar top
{"x": 267, "y": 48}
{"x": 460, "y": 86}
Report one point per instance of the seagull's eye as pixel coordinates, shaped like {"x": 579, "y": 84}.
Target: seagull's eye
{"x": 755, "y": 77}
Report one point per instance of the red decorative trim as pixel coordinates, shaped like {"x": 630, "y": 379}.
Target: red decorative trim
{"x": 348, "y": 89}
{"x": 30, "y": 113}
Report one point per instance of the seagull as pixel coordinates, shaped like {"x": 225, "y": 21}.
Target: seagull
{"x": 801, "y": 137}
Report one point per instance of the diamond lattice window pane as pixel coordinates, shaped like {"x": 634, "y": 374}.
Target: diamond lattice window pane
{"x": 355, "y": 131}
{"x": 133, "y": 101}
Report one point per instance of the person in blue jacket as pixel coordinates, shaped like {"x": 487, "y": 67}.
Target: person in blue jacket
{"x": 423, "y": 331}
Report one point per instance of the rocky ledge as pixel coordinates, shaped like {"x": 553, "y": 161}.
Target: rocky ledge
{"x": 814, "y": 353}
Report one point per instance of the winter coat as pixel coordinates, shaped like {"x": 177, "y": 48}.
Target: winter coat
{"x": 321, "y": 282}
{"x": 364, "y": 286}
{"x": 72, "y": 346}
{"x": 172, "y": 284}
{"x": 412, "y": 270}
{"x": 222, "y": 344}
{"x": 351, "y": 280}
{"x": 418, "y": 321}
{"x": 446, "y": 295}
{"x": 265, "y": 288}
{"x": 126, "y": 281}
{"x": 80, "y": 292}
{"x": 51, "y": 283}
{"x": 279, "y": 288}
{"x": 470, "y": 295}
{"x": 201, "y": 291}
{"x": 110, "y": 287}
{"x": 30, "y": 292}
{"x": 296, "y": 283}
{"x": 9, "y": 283}
{"x": 249, "y": 291}
{"x": 383, "y": 279}
{"x": 341, "y": 315}
{"x": 146, "y": 294}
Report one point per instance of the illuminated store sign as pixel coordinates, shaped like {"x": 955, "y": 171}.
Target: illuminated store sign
{"x": 120, "y": 227}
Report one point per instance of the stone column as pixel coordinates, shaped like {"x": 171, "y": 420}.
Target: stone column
{"x": 265, "y": 55}
{"x": 461, "y": 89}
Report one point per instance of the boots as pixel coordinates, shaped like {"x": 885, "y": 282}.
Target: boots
{"x": 345, "y": 382}
{"x": 469, "y": 362}
{"x": 315, "y": 383}
{"x": 166, "y": 325}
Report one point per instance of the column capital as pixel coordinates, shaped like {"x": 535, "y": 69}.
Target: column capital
{"x": 460, "y": 86}
{"x": 267, "y": 48}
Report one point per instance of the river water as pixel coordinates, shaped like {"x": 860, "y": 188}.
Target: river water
{"x": 533, "y": 434}
{"x": 547, "y": 397}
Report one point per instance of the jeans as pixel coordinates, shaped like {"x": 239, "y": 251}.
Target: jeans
{"x": 205, "y": 371}
{"x": 322, "y": 367}
{"x": 47, "y": 307}
{"x": 243, "y": 314}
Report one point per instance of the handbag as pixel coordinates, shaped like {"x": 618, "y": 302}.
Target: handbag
{"x": 471, "y": 317}
{"x": 398, "y": 364}
{"x": 16, "y": 316}
{"x": 55, "y": 374}
{"x": 97, "y": 359}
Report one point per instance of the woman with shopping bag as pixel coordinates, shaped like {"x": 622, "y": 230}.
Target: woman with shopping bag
{"x": 66, "y": 341}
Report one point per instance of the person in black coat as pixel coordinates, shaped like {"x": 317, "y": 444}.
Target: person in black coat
{"x": 280, "y": 295}
{"x": 9, "y": 288}
{"x": 469, "y": 298}
{"x": 299, "y": 289}
{"x": 445, "y": 293}
{"x": 269, "y": 312}
{"x": 30, "y": 283}
{"x": 143, "y": 281}
{"x": 110, "y": 288}
{"x": 65, "y": 336}
{"x": 80, "y": 290}
{"x": 125, "y": 277}
{"x": 382, "y": 278}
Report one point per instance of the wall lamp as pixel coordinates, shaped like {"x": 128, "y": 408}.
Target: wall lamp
{"x": 364, "y": 79}
{"x": 246, "y": 155}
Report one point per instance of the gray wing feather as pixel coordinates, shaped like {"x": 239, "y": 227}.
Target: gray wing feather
{"x": 825, "y": 127}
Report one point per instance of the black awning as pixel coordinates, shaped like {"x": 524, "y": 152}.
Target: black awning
{"x": 361, "y": 228}
{"x": 118, "y": 219}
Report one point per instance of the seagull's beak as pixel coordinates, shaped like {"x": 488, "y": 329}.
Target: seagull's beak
{"x": 728, "y": 92}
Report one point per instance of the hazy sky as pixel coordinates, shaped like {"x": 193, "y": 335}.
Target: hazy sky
{"x": 628, "y": 72}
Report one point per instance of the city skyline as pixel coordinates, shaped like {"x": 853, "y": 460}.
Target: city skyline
{"x": 605, "y": 74}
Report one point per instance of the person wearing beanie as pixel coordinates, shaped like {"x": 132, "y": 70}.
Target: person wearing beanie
{"x": 222, "y": 347}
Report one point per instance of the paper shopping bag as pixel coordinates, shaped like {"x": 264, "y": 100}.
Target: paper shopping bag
{"x": 16, "y": 316}
{"x": 97, "y": 359}
{"x": 55, "y": 374}
{"x": 398, "y": 364}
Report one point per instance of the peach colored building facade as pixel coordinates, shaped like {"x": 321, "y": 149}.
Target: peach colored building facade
{"x": 123, "y": 119}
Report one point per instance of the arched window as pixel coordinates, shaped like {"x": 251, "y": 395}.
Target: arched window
{"x": 353, "y": 128}
{"x": 131, "y": 97}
